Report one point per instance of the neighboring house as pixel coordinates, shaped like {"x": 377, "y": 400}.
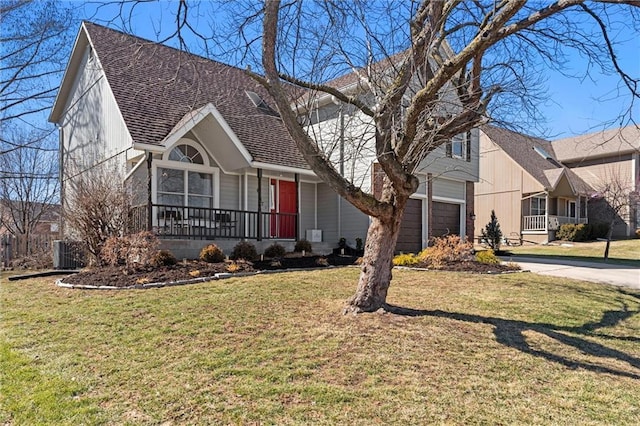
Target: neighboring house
{"x": 211, "y": 160}
{"x": 14, "y": 244}
{"x": 600, "y": 158}
{"x": 535, "y": 185}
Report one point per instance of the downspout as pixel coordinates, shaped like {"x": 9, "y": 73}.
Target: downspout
{"x": 259, "y": 224}
{"x": 149, "y": 189}
{"x": 297, "y": 224}
{"x": 245, "y": 193}
{"x": 61, "y": 176}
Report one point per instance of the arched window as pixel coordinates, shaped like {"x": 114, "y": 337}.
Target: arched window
{"x": 186, "y": 154}
{"x": 184, "y": 178}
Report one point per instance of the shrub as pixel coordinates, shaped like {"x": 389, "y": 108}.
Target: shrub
{"x": 487, "y": 257}
{"x": 302, "y": 245}
{"x": 566, "y": 232}
{"x": 492, "y": 233}
{"x": 582, "y": 232}
{"x": 409, "y": 259}
{"x": 132, "y": 249}
{"x": 163, "y": 258}
{"x": 211, "y": 254}
{"x": 244, "y": 250}
{"x": 638, "y": 233}
{"x": 142, "y": 248}
{"x": 113, "y": 251}
{"x": 275, "y": 250}
{"x": 359, "y": 244}
{"x": 448, "y": 249}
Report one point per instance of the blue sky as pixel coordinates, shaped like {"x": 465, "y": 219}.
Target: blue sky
{"x": 576, "y": 105}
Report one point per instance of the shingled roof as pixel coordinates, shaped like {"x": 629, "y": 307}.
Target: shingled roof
{"x": 155, "y": 86}
{"x": 599, "y": 144}
{"x": 522, "y": 149}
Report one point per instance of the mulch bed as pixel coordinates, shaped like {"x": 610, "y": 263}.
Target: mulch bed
{"x": 119, "y": 277}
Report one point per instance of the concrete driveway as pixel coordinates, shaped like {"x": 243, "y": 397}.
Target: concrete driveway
{"x": 620, "y": 275}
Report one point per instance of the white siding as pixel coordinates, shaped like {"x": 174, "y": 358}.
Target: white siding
{"x": 93, "y": 129}
{"x": 307, "y": 207}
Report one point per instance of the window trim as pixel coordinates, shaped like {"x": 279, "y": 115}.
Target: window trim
{"x": 185, "y": 168}
{"x": 189, "y": 142}
{"x": 538, "y": 198}
{"x": 464, "y": 139}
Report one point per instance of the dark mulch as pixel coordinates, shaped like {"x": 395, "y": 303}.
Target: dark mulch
{"x": 119, "y": 277}
{"x": 480, "y": 268}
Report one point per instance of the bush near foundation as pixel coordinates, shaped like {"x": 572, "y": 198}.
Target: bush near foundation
{"x": 211, "y": 254}
{"x": 244, "y": 250}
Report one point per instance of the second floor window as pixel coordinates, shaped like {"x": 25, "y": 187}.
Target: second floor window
{"x": 460, "y": 147}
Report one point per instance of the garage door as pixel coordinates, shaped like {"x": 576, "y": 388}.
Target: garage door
{"x": 446, "y": 219}
{"x": 410, "y": 236}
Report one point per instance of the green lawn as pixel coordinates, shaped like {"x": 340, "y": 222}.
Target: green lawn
{"x": 274, "y": 349}
{"x": 621, "y": 252}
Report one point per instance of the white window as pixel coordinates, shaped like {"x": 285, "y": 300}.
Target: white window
{"x": 538, "y": 206}
{"x": 459, "y": 146}
{"x": 185, "y": 179}
{"x": 571, "y": 208}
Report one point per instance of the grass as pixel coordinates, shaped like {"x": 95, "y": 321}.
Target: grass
{"x": 274, "y": 349}
{"x": 624, "y": 252}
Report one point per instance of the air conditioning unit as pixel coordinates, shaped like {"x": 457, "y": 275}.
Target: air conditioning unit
{"x": 67, "y": 255}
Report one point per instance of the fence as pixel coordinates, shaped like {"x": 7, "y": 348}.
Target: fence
{"x": 12, "y": 247}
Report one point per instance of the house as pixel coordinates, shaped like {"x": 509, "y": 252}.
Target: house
{"x": 535, "y": 185}
{"x": 210, "y": 159}
{"x": 15, "y": 240}
{"x": 601, "y": 157}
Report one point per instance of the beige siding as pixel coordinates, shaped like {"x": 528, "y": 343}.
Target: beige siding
{"x": 598, "y": 174}
{"x": 502, "y": 183}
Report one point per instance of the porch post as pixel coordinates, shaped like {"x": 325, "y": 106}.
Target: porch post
{"x": 259, "y": 224}
{"x": 546, "y": 214}
{"x": 149, "y": 199}
{"x": 297, "y": 179}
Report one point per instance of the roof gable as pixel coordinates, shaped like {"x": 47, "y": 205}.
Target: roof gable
{"x": 535, "y": 156}
{"x": 156, "y": 86}
{"x": 599, "y": 144}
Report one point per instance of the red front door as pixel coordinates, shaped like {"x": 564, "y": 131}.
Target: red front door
{"x": 287, "y": 198}
{"x": 283, "y": 209}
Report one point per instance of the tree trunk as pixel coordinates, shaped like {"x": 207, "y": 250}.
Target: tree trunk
{"x": 375, "y": 275}
{"x": 609, "y": 234}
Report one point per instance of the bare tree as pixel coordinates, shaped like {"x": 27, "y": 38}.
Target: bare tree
{"x": 613, "y": 201}
{"x": 456, "y": 59}
{"x": 36, "y": 37}
{"x": 28, "y": 185}
{"x": 425, "y": 72}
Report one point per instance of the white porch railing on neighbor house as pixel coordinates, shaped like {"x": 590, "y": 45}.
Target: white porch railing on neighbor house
{"x": 537, "y": 222}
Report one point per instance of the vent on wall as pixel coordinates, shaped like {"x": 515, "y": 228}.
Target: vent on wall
{"x": 259, "y": 103}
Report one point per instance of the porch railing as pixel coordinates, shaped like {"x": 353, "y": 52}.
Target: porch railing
{"x": 169, "y": 221}
{"x": 538, "y": 222}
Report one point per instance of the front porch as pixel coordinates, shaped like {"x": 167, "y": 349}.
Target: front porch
{"x": 200, "y": 223}
{"x": 548, "y": 222}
